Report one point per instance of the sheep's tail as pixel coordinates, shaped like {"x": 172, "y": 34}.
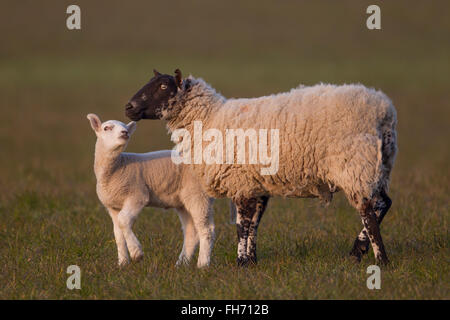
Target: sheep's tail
{"x": 388, "y": 139}
{"x": 233, "y": 212}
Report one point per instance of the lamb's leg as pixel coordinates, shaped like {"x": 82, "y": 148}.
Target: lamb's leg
{"x": 261, "y": 205}
{"x": 190, "y": 237}
{"x": 201, "y": 212}
{"x": 371, "y": 225}
{"x": 246, "y": 208}
{"x": 361, "y": 244}
{"x": 126, "y": 218}
{"x": 122, "y": 249}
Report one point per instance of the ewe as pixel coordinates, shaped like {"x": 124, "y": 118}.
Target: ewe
{"x": 331, "y": 138}
{"x": 128, "y": 182}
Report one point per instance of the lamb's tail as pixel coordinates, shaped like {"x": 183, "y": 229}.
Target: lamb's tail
{"x": 233, "y": 212}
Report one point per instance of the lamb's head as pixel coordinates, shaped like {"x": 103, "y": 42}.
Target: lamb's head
{"x": 152, "y": 100}
{"x": 113, "y": 135}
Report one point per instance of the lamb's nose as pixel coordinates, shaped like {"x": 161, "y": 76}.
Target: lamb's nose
{"x": 128, "y": 106}
{"x": 124, "y": 132}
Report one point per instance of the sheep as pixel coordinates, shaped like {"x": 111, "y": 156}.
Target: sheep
{"x": 128, "y": 182}
{"x": 331, "y": 138}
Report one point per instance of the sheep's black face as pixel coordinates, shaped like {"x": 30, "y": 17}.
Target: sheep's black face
{"x": 151, "y": 100}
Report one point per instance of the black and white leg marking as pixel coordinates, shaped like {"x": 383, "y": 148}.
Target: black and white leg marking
{"x": 249, "y": 213}
{"x": 261, "y": 205}
{"x": 382, "y": 203}
{"x": 371, "y": 224}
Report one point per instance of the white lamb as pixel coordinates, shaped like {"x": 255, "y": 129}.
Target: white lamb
{"x": 331, "y": 138}
{"x": 128, "y": 182}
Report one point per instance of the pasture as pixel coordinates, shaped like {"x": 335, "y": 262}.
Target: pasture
{"x": 51, "y": 78}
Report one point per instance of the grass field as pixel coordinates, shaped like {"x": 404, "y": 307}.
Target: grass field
{"x": 50, "y": 78}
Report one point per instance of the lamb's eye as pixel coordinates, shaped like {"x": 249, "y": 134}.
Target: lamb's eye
{"x": 163, "y": 86}
{"x": 106, "y": 128}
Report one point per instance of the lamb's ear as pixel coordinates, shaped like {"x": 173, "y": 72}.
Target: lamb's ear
{"x": 95, "y": 122}
{"x": 131, "y": 127}
{"x": 156, "y": 73}
{"x": 178, "y": 78}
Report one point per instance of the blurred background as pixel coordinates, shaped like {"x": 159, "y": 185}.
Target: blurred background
{"x": 52, "y": 77}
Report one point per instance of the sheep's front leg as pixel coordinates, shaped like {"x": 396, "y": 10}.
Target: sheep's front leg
{"x": 261, "y": 205}
{"x": 190, "y": 237}
{"x": 246, "y": 208}
{"x": 126, "y": 218}
{"x": 122, "y": 249}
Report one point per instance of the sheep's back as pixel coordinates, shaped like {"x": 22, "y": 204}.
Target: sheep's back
{"x": 319, "y": 129}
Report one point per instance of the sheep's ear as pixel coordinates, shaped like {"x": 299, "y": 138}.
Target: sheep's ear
{"x": 131, "y": 127}
{"x": 95, "y": 121}
{"x": 156, "y": 73}
{"x": 178, "y": 78}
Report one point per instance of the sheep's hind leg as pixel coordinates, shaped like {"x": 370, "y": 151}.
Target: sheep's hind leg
{"x": 361, "y": 244}
{"x": 369, "y": 219}
{"x": 246, "y": 208}
{"x": 253, "y": 229}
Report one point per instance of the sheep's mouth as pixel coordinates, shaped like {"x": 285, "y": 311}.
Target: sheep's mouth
{"x": 134, "y": 116}
{"x": 125, "y": 136}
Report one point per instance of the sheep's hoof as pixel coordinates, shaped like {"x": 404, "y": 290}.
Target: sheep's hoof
{"x": 252, "y": 260}
{"x": 242, "y": 262}
{"x": 383, "y": 260}
{"x": 355, "y": 257}
{"x": 359, "y": 249}
{"x": 356, "y": 254}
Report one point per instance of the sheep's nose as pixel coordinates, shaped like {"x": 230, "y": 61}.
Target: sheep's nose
{"x": 125, "y": 132}
{"x": 128, "y": 106}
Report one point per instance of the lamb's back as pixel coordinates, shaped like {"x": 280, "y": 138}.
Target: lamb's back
{"x": 150, "y": 178}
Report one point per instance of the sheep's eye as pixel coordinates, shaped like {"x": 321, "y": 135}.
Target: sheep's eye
{"x": 144, "y": 97}
{"x": 106, "y": 128}
{"x": 163, "y": 86}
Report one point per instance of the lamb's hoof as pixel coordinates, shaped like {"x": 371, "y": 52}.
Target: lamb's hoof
{"x": 123, "y": 263}
{"x": 137, "y": 256}
{"x": 181, "y": 262}
{"x": 242, "y": 262}
{"x": 203, "y": 265}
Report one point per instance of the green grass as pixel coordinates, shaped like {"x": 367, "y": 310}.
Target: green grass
{"x": 50, "y": 79}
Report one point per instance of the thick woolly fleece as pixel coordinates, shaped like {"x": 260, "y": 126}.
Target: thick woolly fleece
{"x": 331, "y": 138}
